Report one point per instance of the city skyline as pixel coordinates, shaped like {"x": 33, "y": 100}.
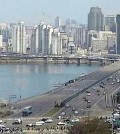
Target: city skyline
{"x": 33, "y": 12}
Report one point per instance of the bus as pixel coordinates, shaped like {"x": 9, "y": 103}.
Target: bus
{"x": 27, "y": 111}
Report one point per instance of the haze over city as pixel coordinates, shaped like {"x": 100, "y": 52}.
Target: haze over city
{"x": 32, "y": 11}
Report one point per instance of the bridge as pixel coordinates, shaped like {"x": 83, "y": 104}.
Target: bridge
{"x": 8, "y": 58}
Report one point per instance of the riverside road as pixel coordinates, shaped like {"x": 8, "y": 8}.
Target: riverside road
{"x": 45, "y": 102}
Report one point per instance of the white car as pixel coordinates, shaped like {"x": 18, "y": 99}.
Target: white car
{"x": 49, "y": 121}
{"x": 88, "y": 94}
{"x": 67, "y": 105}
{"x": 61, "y": 123}
{"x": 2, "y": 126}
{"x": 1, "y": 121}
{"x": 75, "y": 120}
{"x": 63, "y": 113}
{"x": 38, "y": 123}
{"x": 41, "y": 122}
{"x": 76, "y": 112}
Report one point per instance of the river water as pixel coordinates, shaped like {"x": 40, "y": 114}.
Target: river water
{"x": 24, "y": 81}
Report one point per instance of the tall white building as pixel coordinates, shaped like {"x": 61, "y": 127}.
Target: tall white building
{"x": 1, "y": 38}
{"x": 34, "y": 41}
{"x": 18, "y": 38}
{"x": 48, "y": 40}
{"x": 41, "y": 37}
{"x": 56, "y": 43}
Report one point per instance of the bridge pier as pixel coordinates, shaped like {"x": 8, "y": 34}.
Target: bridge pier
{"x": 45, "y": 60}
{"x": 67, "y": 61}
{"x": 78, "y": 61}
{"x": 26, "y": 60}
{"x": 6, "y": 60}
{"x": 89, "y": 61}
{"x": 102, "y": 62}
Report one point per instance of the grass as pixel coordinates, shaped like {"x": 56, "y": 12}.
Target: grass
{"x": 52, "y": 111}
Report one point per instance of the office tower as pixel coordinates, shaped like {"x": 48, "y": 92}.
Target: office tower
{"x": 118, "y": 33}
{"x": 109, "y": 21}
{"x": 18, "y": 38}
{"x": 57, "y": 21}
{"x": 95, "y": 19}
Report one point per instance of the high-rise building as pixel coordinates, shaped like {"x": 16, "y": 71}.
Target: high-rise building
{"x": 109, "y": 21}
{"x": 34, "y": 40}
{"x": 1, "y": 40}
{"x": 95, "y": 19}
{"x": 56, "y": 47}
{"x": 18, "y": 38}
{"x": 41, "y": 37}
{"x": 44, "y": 38}
{"x": 80, "y": 34}
{"x": 118, "y": 33}
{"x": 57, "y": 21}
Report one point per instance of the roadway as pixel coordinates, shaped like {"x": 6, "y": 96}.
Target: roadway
{"x": 103, "y": 98}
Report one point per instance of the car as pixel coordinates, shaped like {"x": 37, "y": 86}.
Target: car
{"x": 73, "y": 109}
{"x": 49, "y": 121}
{"x": 88, "y": 94}
{"x": 67, "y": 120}
{"x": 67, "y": 105}
{"x": 61, "y": 123}
{"x": 84, "y": 97}
{"x": 88, "y": 106}
{"x": 42, "y": 122}
{"x": 98, "y": 90}
{"x": 113, "y": 80}
{"x": 2, "y": 127}
{"x": 1, "y": 121}
{"x": 63, "y": 113}
{"x": 44, "y": 119}
{"x": 76, "y": 112}
{"x": 89, "y": 101}
{"x": 118, "y": 80}
{"x": 75, "y": 120}
{"x": 93, "y": 88}
{"x": 38, "y": 123}
{"x": 29, "y": 125}
{"x": 17, "y": 121}
{"x": 103, "y": 83}
{"x": 104, "y": 93}
{"x": 87, "y": 91}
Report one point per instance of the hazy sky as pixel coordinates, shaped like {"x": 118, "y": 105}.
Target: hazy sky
{"x": 31, "y": 11}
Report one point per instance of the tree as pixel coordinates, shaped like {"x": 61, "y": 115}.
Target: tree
{"x": 94, "y": 126}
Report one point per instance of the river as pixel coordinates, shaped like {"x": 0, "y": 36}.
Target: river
{"x": 24, "y": 81}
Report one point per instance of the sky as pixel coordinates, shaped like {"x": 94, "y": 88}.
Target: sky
{"x": 32, "y": 11}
